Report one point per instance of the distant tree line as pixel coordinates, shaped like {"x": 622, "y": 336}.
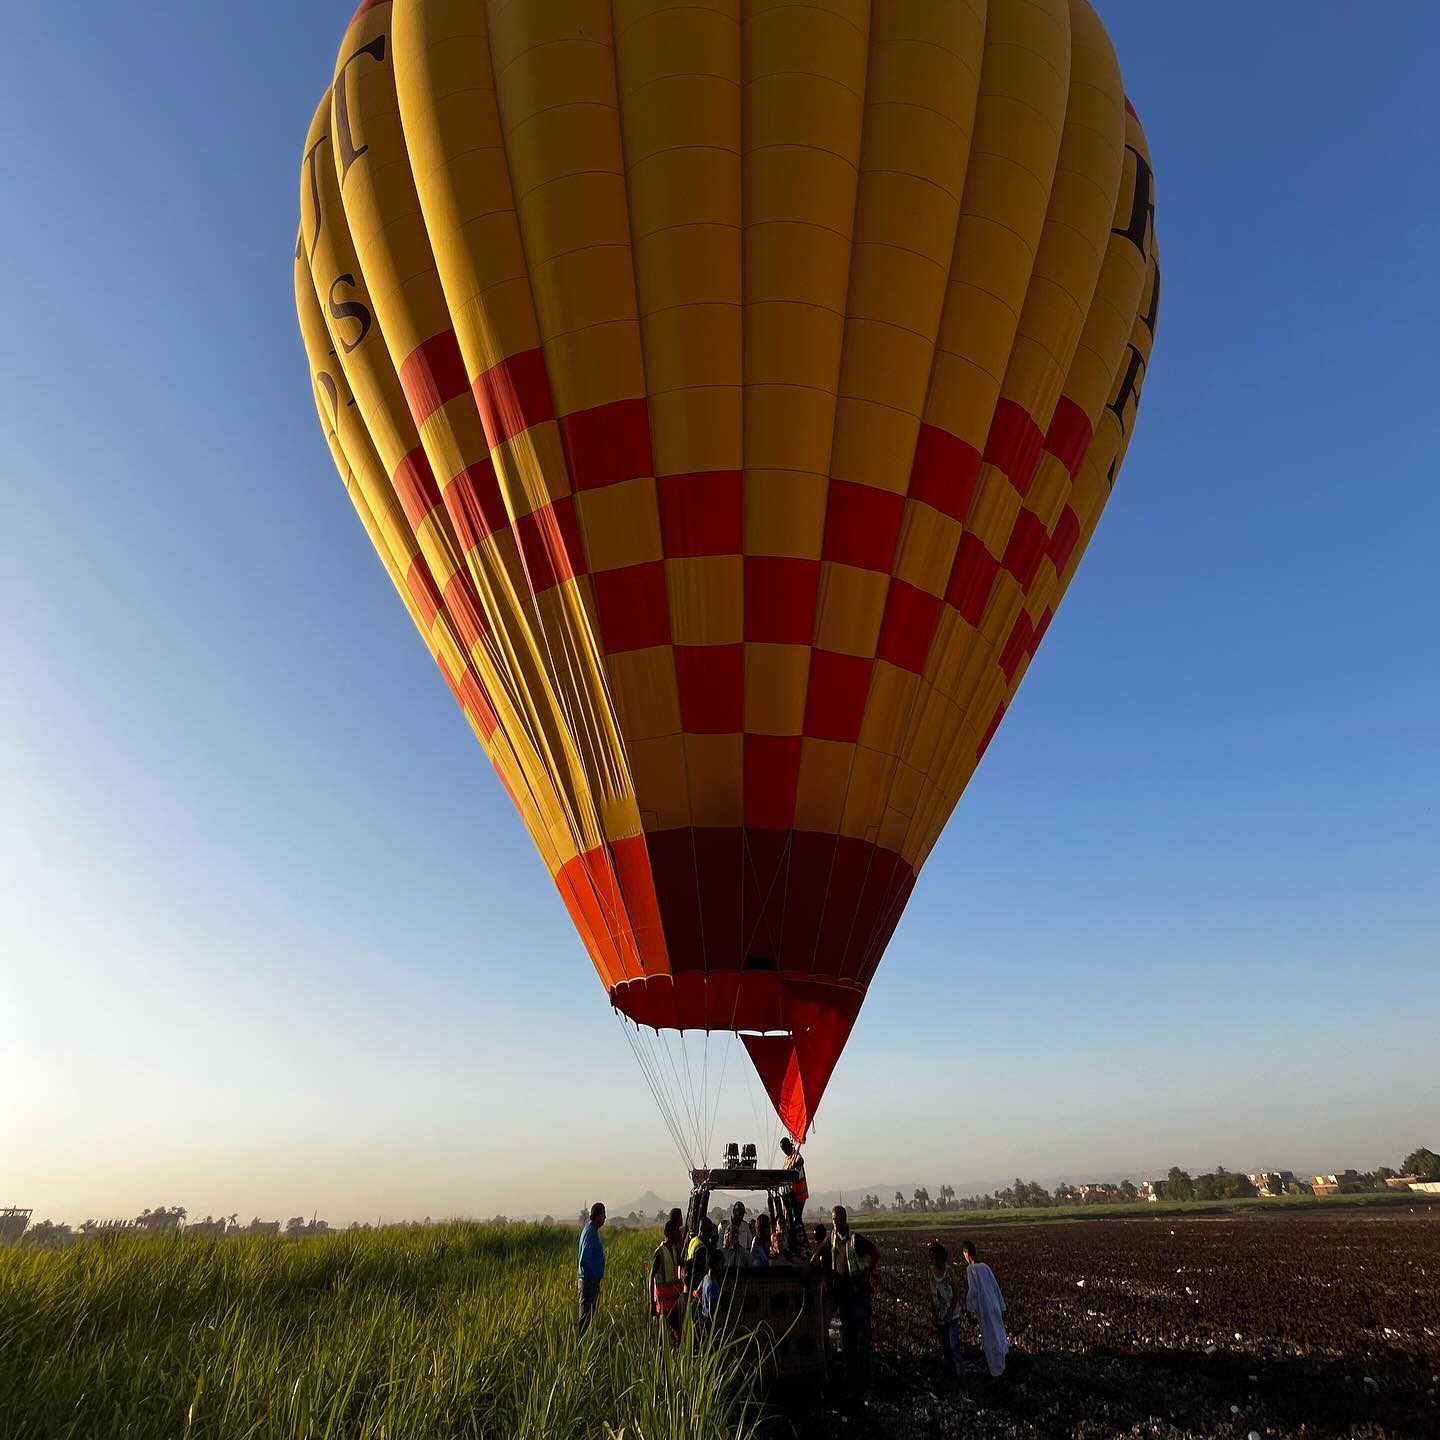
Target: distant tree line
{"x": 1219, "y": 1184}
{"x": 173, "y": 1219}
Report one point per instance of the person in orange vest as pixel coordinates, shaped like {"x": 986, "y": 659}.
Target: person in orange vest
{"x": 795, "y": 1163}
{"x": 667, "y": 1288}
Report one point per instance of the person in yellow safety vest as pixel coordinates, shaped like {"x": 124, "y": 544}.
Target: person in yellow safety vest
{"x": 848, "y": 1261}
{"x": 698, "y": 1254}
{"x": 795, "y": 1163}
{"x": 667, "y": 1289}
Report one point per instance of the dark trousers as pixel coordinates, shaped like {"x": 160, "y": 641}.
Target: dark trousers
{"x": 950, "y": 1344}
{"x": 588, "y": 1292}
{"x": 855, "y": 1337}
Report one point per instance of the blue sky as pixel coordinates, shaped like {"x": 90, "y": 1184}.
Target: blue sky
{"x": 258, "y": 957}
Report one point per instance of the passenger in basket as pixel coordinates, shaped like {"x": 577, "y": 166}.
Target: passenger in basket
{"x": 985, "y": 1302}
{"x": 734, "y": 1253}
{"x": 945, "y": 1305}
{"x": 744, "y": 1230}
{"x": 760, "y": 1249}
{"x": 710, "y": 1289}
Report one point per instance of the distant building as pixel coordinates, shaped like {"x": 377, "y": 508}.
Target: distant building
{"x": 1401, "y": 1182}
{"x": 1153, "y": 1190}
{"x": 1343, "y": 1182}
{"x": 1425, "y": 1187}
{"x": 12, "y": 1225}
{"x": 1270, "y": 1184}
{"x": 1096, "y": 1193}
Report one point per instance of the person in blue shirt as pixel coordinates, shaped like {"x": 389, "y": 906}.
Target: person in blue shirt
{"x": 592, "y": 1265}
{"x": 760, "y": 1246}
{"x": 710, "y": 1291}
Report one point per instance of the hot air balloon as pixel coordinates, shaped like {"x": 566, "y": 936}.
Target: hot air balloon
{"x": 730, "y": 391}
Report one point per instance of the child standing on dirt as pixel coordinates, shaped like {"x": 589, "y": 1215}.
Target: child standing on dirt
{"x": 945, "y": 1303}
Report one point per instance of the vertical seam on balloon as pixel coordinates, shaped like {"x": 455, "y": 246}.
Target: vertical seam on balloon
{"x": 589, "y": 753}
{"x": 442, "y": 616}
{"x": 922, "y": 687}
{"x": 571, "y": 804}
{"x": 1028, "y": 635}
{"x": 821, "y": 574}
{"x": 340, "y": 225}
{"x": 934, "y": 352}
{"x": 645, "y": 385}
{"x": 1008, "y": 620}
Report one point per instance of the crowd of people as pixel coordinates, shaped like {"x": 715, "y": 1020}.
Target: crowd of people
{"x": 688, "y": 1277}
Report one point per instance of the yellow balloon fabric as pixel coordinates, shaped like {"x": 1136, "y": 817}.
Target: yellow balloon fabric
{"x": 730, "y": 391}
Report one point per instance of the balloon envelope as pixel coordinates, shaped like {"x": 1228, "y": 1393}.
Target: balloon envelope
{"x": 730, "y": 392}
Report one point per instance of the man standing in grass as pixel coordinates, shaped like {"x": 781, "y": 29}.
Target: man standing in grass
{"x": 592, "y": 1265}
{"x": 667, "y": 1285}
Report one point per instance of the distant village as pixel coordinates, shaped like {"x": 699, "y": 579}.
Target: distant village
{"x": 1419, "y": 1173}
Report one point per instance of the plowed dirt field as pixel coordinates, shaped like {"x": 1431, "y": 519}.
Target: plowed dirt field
{"x": 1281, "y": 1324}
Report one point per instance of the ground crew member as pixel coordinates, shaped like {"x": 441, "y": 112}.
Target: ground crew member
{"x": 795, "y": 1162}
{"x": 702, "y": 1248}
{"x": 667, "y": 1289}
{"x": 848, "y": 1261}
{"x": 592, "y": 1265}
{"x": 984, "y": 1300}
{"x": 945, "y": 1305}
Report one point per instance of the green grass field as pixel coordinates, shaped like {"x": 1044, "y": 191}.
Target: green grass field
{"x": 447, "y": 1331}
{"x": 1143, "y": 1209}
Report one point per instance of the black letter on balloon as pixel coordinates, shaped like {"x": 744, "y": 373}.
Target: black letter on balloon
{"x": 1142, "y": 207}
{"x": 314, "y": 195}
{"x": 349, "y": 310}
{"x": 348, "y": 153}
{"x": 1129, "y": 386}
{"x": 1152, "y": 316}
{"x": 326, "y": 382}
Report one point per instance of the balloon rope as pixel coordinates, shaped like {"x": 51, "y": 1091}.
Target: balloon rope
{"x": 645, "y": 1071}
{"x": 682, "y": 1088}
{"x": 660, "y": 1043}
{"x": 705, "y": 1091}
{"x": 653, "y": 1039}
{"x": 655, "y": 1091}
